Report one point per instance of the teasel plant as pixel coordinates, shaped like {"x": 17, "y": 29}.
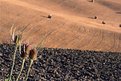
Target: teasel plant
{"x": 16, "y": 39}
{"x": 14, "y": 36}
{"x": 17, "y": 42}
{"x": 20, "y": 34}
{"x": 33, "y": 53}
{"x": 33, "y": 57}
{"x": 24, "y": 56}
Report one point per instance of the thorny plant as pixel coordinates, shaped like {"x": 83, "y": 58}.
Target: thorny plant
{"x": 33, "y": 57}
{"x": 33, "y": 54}
{"x": 25, "y": 53}
{"x": 16, "y": 39}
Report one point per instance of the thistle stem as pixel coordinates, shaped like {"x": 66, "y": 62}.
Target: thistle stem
{"x": 14, "y": 57}
{"x": 22, "y": 66}
{"x": 20, "y": 48}
{"x": 31, "y": 62}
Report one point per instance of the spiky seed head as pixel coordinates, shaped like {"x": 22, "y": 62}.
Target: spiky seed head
{"x": 25, "y": 51}
{"x": 33, "y": 54}
{"x": 24, "y": 55}
{"x": 17, "y": 39}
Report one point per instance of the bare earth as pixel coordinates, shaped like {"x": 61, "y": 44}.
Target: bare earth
{"x": 71, "y": 26}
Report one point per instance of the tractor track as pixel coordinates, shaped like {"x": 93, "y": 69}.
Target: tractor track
{"x": 113, "y": 43}
{"x": 94, "y": 41}
{"x": 88, "y": 40}
{"x": 100, "y": 41}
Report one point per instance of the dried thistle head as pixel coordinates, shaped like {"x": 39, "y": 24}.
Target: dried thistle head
{"x": 17, "y": 39}
{"x": 33, "y": 54}
{"x": 24, "y": 55}
{"x": 25, "y": 51}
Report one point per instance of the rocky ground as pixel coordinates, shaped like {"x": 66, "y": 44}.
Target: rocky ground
{"x": 64, "y": 65}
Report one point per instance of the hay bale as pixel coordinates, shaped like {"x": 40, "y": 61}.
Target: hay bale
{"x": 103, "y": 22}
{"x": 119, "y": 25}
{"x": 49, "y": 16}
